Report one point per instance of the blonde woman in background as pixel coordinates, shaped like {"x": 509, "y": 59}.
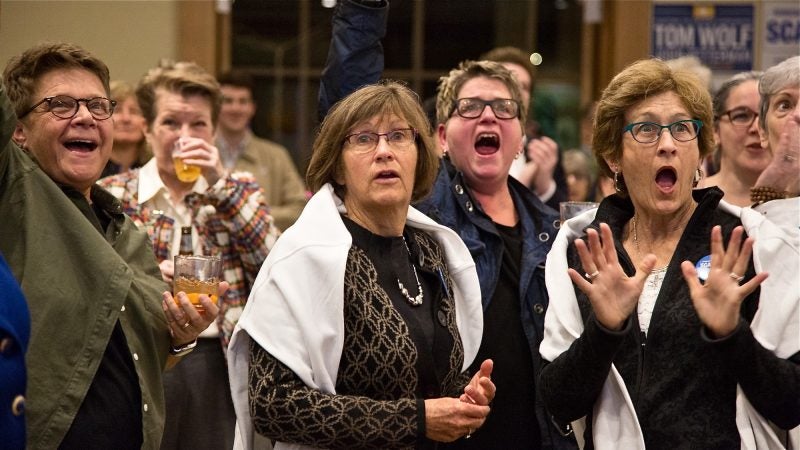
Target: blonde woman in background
{"x": 130, "y": 148}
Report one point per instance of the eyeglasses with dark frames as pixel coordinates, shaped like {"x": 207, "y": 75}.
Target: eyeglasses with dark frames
{"x": 65, "y": 107}
{"x": 367, "y": 141}
{"x": 472, "y": 107}
{"x": 741, "y": 117}
{"x": 649, "y": 132}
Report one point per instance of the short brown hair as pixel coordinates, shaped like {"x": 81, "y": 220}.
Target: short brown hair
{"x": 512, "y": 55}
{"x": 237, "y": 79}
{"x": 184, "y": 78}
{"x": 637, "y": 82}
{"x": 23, "y": 71}
{"x": 450, "y": 85}
{"x": 388, "y": 97}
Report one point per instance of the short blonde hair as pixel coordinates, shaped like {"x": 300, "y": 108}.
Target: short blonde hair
{"x": 450, "y": 85}
{"x": 389, "y": 97}
{"x": 637, "y": 82}
{"x": 184, "y": 78}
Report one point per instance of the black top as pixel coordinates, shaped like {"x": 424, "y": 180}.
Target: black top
{"x": 512, "y": 422}
{"x": 393, "y": 262}
{"x": 110, "y": 415}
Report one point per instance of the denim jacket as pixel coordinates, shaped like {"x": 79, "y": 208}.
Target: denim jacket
{"x": 451, "y": 204}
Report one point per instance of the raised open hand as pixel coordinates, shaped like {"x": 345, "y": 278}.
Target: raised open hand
{"x": 612, "y": 293}
{"x": 718, "y": 301}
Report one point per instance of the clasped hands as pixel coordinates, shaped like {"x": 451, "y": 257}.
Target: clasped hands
{"x": 614, "y": 295}
{"x": 448, "y": 419}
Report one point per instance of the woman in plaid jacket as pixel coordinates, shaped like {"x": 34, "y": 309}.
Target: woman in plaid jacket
{"x": 229, "y": 217}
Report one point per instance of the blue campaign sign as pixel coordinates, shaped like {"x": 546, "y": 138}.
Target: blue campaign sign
{"x": 720, "y": 35}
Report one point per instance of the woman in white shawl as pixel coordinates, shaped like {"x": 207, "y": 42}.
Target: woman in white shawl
{"x": 653, "y": 358}
{"x": 366, "y": 313}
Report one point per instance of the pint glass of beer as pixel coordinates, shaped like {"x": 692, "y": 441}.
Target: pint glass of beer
{"x": 195, "y": 275}
{"x": 185, "y": 172}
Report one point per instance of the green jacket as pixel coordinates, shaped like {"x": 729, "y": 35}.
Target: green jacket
{"x": 77, "y": 285}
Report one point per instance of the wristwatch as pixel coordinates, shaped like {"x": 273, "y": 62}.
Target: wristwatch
{"x": 183, "y": 349}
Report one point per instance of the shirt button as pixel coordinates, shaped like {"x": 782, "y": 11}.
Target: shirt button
{"x": 468, "y": 204}
{"x": 538, "y": 308}
{"x": 5, "y": 345}
{"x": 136, "y": 356}
{"x": 459, "y": 189}
{"x": 18, "y": 405}
{"x": 144, "y": 407}
{"x": 123, "y": 308}
{"x": 442, "y": 316}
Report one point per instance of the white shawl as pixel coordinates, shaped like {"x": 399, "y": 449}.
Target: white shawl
{"x": 776, "y": 324}
{"x": 295, "y": 308}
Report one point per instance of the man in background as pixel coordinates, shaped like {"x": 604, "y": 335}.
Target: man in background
{"x": 268, "y": 161}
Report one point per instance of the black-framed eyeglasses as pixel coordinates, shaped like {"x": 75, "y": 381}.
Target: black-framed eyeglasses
{"x": 367, "y": 141}
{"x": 649, "y": 132}
{"x": 741, "y": 117}
{"x": 65, "y": 107}
{"x": 472, "y": 107}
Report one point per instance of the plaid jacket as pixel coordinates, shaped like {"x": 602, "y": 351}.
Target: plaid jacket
{"x": 232, "y": 220}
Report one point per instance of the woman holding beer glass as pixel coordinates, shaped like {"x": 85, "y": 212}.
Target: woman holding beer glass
{"x": 367, "y": 313}
{"x": 228, "y": 217}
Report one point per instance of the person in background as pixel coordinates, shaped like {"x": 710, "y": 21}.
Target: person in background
{"x": 539, "y": 164}
{"x": 778, "y": 123}
{"x": 15, "y": 333}
{"x": 738, "y": 145}
{"x": 130, "y": 147}
{"x": 651, "y": 348}
{"x": 371, "y": 350}
{"x": 579, "y": 174}
{"x": 508, "y": 231}
{"x": 103, "y": 324}
{"x": 269, "y": 162}
{"x": 228, "y": 216}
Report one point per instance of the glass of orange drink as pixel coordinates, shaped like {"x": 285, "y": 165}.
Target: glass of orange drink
{"x": 185, "y": 172}
{"x": 196, "y": 275}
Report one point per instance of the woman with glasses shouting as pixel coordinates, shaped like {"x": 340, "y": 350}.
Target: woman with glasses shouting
{"x": 481, "y": 118}
{"x": 739, "y": 156}
{"x": 649, "y": 334}
{"x": 366, "y": 313}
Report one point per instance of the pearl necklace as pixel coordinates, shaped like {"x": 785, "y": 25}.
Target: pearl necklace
{"x": 414, "y": 301}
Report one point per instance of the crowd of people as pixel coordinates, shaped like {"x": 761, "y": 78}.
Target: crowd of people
{"x": 418, "y": 289}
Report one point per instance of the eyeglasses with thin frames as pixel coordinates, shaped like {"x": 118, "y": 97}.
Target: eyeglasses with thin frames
{"x": 367, "y": 141}
{"x": 472, "y": 107}
{"x": 741, "y": 117}
{"x": 65, "y": 106}
{"x": 649, "y": 132}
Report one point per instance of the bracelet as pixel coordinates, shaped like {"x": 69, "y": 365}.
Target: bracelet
{"x": 761, "y": 194}
{"x": 182, "y": 349}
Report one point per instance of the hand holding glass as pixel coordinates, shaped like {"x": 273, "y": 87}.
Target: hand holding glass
{"x": 196, "y": 275}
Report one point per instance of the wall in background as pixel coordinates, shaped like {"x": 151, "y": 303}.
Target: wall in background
{"x": 129, "y": 36}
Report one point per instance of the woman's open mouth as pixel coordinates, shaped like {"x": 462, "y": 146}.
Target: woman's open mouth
{"x": 666, "y": 177}
{"x": 487, "y": 143}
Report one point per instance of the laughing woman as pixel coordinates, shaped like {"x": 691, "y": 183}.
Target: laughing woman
{"x": 647, "y": 354}
{"x": 366, "y": 313}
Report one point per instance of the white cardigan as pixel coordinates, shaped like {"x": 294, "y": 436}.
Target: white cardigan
{"x": 295, "y": 310}
{"x": 776, "y": 324}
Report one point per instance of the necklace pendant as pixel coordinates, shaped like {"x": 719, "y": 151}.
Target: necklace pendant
{"x": 414, "y": 301}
